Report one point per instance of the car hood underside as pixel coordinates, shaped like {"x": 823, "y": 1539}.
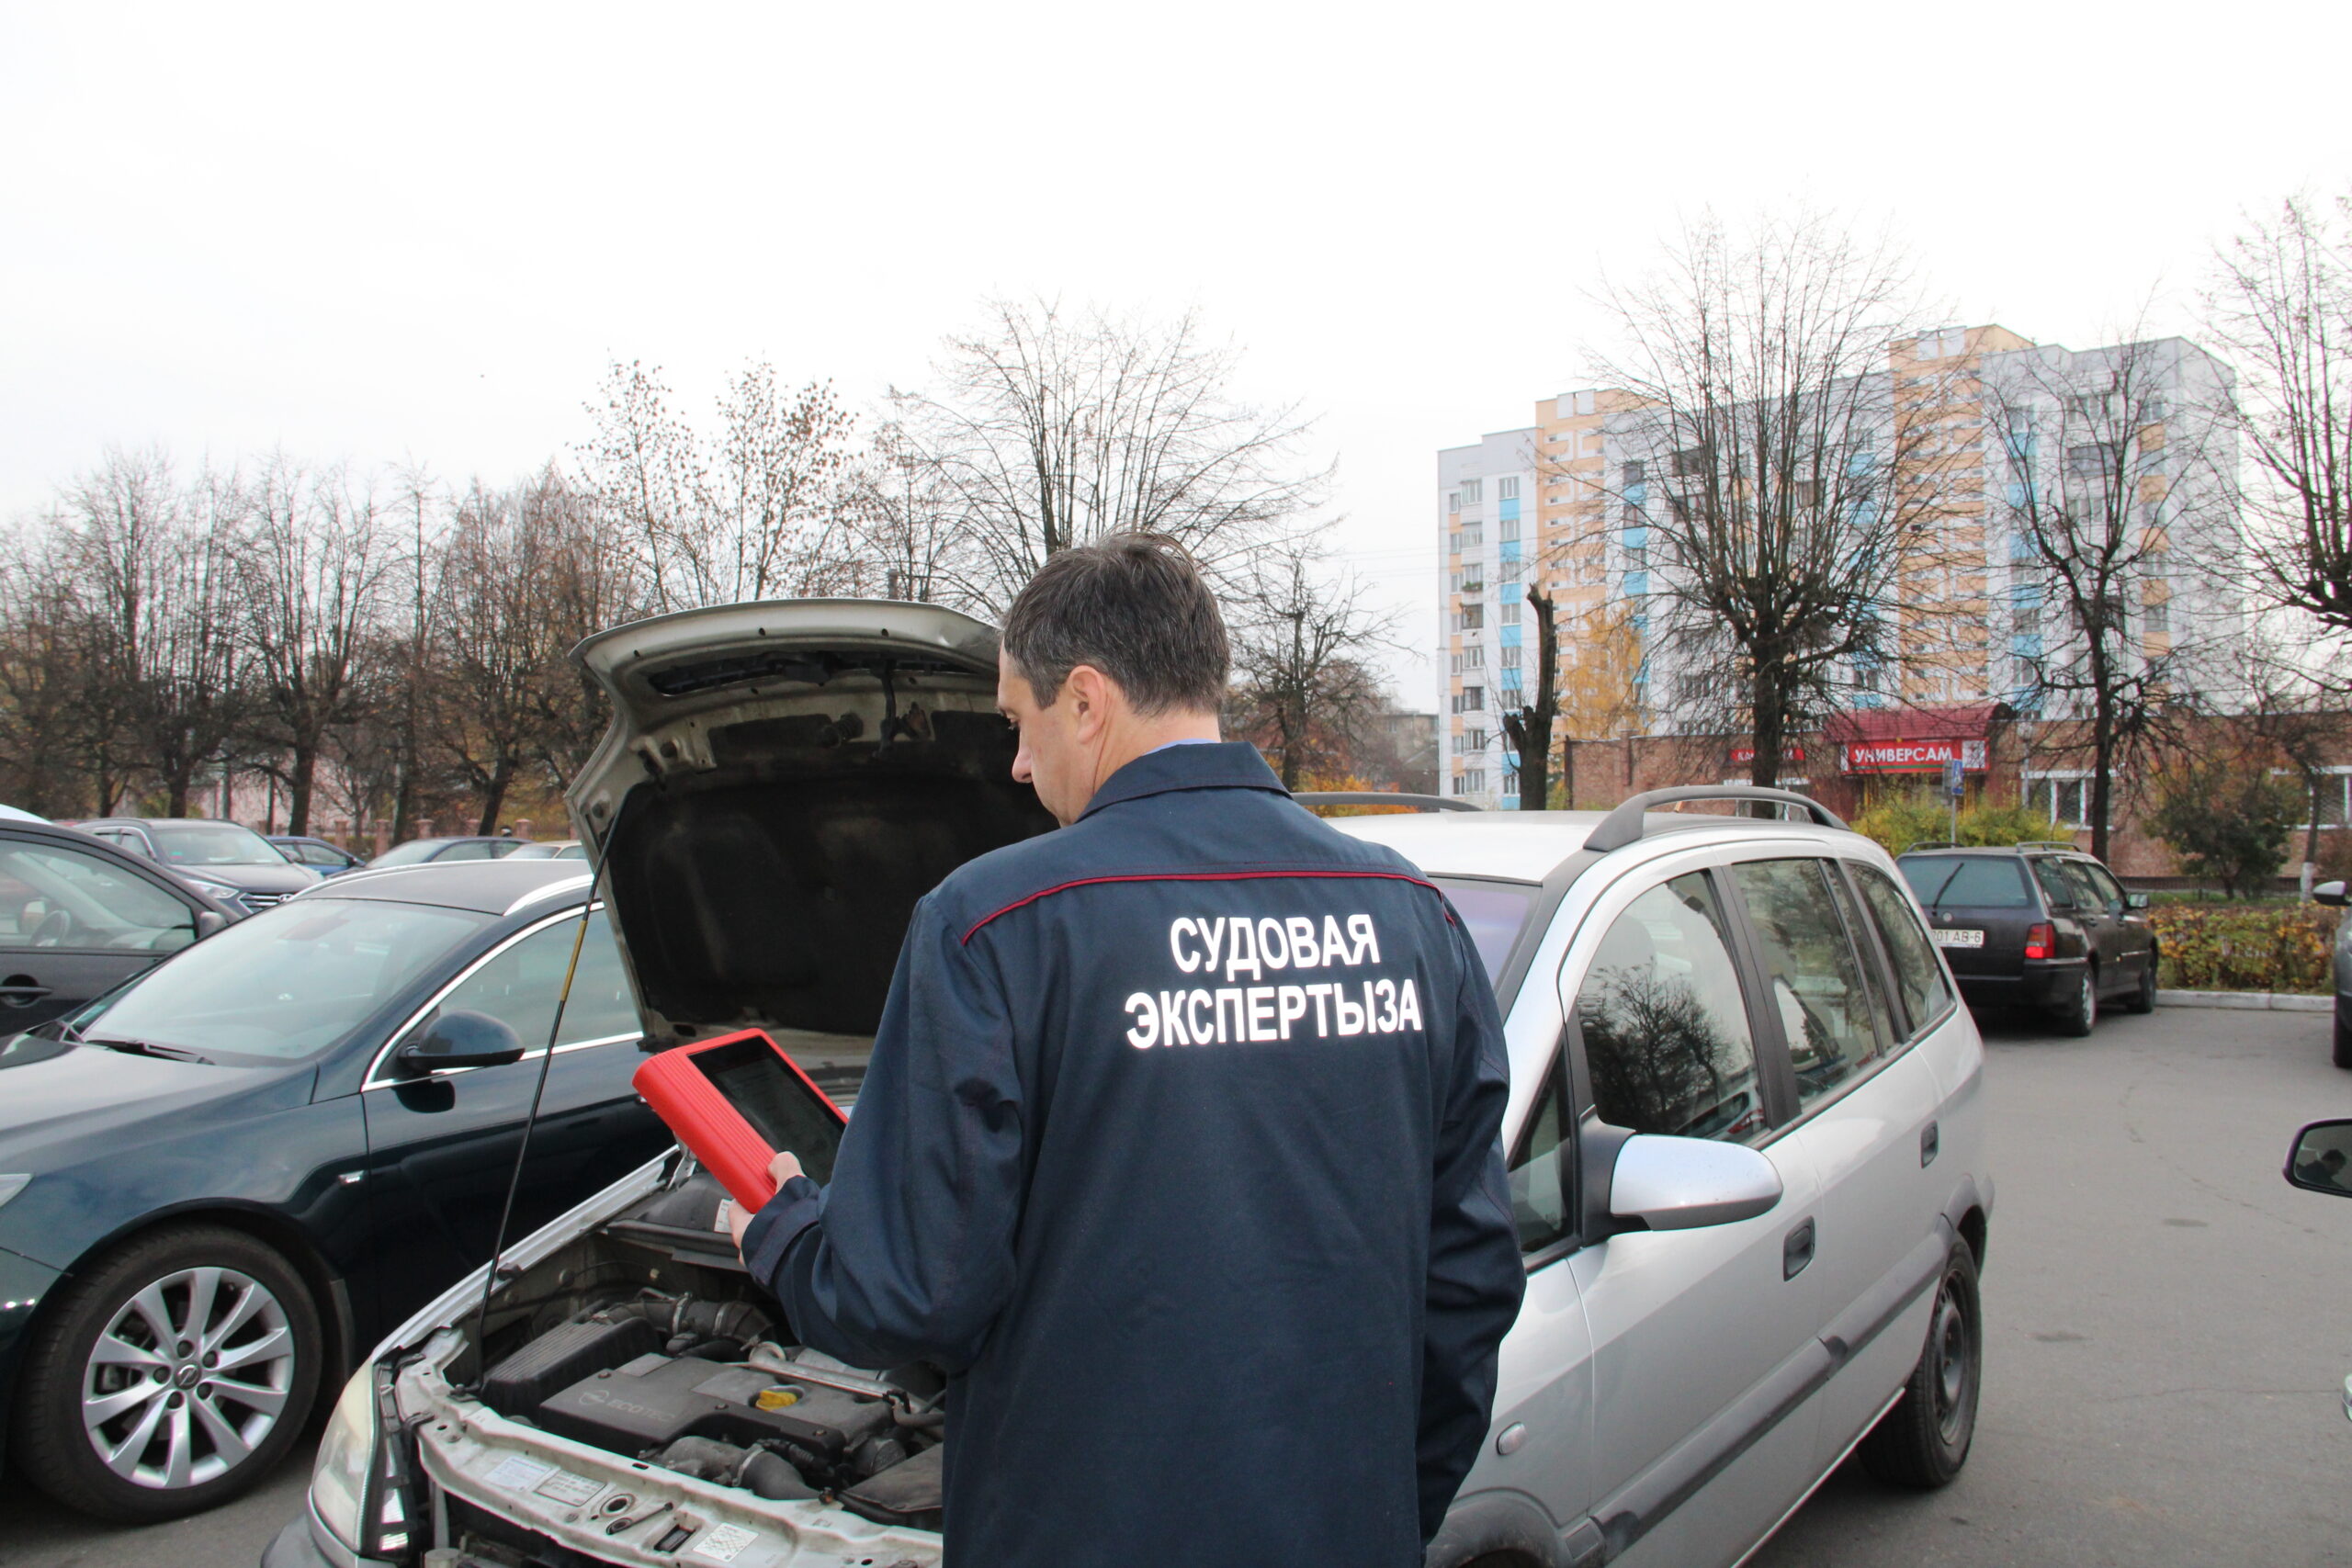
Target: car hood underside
{"x": 781, "y": 784}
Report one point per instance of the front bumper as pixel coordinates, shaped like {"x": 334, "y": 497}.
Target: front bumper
{"x": 24, "y": 1284}
{"x": 305, "y": 1543}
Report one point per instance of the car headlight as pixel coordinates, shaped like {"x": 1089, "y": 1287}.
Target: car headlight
{"x": 218, "y": 889}
{"x": 346, "y": 1458}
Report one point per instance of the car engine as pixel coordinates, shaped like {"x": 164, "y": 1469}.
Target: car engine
{"x": 709, "y": 1389}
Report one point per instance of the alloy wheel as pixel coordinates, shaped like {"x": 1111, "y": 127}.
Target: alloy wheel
{"x": 188, "y": 1378}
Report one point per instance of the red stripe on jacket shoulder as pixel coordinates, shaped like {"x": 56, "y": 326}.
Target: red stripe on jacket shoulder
{"x": 1215, "y": 876}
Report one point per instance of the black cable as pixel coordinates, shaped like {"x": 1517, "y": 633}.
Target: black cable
{"x": 523, "y": 1151}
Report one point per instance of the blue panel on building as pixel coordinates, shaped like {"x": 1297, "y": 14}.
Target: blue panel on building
{"x": 1509, "y": 678}
{"x": 1510, "y": 548}
{"x": 1637, "y": 494}
{"x": 2025, "y": 595}
{"x": 2025, "y": 644}
{"x": 1508, "y": 510}
{"x": 1510, "y": 636}
{"x": 1510, "y": 592}
{"x": 1636, "y": 583}
{"x": 1637, "y": 538}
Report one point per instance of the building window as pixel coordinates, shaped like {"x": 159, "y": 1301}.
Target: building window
{"x": 1472, "y": 491}
{"x": 1470, "y": 699}
{"x": 1510, "y": 656}
{"x": 1471, "y": 579}
{"x": 1471, "y": 657}
{"x": 2064, "y": 797}
{"x": 1453, "y": 501}
{"x": 2086, "y": 461}
{"x": 1507, "y": 489}
{"x": 1473, "y": 781}
{"x": 1508, "y": 615}
{"x": 1509, "y": 529}
{"x": 1470, "y": 537}
{"x": 1635, "y": 472}
{"x": 1470, "y": 618}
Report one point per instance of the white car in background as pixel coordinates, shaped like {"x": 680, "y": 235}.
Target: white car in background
{"x": 1745, "y": 1139}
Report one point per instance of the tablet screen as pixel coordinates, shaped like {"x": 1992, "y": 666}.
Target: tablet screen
{"x": 771, "y": 1097}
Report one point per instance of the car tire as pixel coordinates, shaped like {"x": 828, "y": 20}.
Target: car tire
{"x": 2079, "y": 1015}
{"x": 1922, "y": 1442}
{"x": 2143, "y": 995}
{"x": 2343, "y": 1032}
{"x": 121, "y": 1410}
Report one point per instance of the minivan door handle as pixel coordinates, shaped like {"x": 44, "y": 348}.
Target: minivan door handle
{"x": 22, "y": 990}
{"x": 1930, "y": 1145}
{"x": 1796, "y": 1251}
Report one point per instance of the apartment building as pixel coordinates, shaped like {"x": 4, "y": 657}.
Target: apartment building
{"x": 1985, "y": 438}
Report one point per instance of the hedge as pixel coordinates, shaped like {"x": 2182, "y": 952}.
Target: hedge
{"x": 2245, "y": 947}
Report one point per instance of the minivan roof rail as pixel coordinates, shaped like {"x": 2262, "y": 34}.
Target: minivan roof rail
{"x": 1383, "y": 798}
{"x": 1627, "y": 823}
{"x": 1931, "y": 844}
{"x": 2069, "y": 846}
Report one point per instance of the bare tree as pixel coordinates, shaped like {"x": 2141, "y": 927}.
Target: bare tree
{"x": 2282, "y": 305}
{"x": 314, "y": 569}
{"x": 1048, "y": 429}
{"x": 2112, "y": 501}
{"x": 161, "y": 666}
{"x": 1301, "y": 641}
{"x": 1772, "y": 470}
{"x": 644, "y": 468}
{"x": 907, "y": 524}
{"x": 45, "y": 722}
{"x": 1529, "y": 728}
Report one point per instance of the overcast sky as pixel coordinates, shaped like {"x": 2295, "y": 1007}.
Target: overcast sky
{"x": 421, "y": 231}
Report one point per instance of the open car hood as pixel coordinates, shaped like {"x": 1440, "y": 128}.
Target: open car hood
{"x": 782, "y": 782}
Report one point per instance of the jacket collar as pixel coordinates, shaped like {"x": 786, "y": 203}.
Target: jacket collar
{"x": 1228, "y": 764}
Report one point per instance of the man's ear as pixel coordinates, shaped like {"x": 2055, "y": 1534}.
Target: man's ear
{"x": 1094, "y": 700}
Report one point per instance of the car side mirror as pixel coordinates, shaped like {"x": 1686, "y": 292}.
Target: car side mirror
{"x": 2135, "y": 900}
{"x": 457, "y": 1039}
{"x": 1663, "y": 1183}
{"x": 209, "y": 921}
{"x": 2330, "y": 893}
{"x": 2320, "y": 1160}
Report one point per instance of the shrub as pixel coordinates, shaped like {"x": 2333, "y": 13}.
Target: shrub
{"x": 2228, "y": 819}
{"x": 2260, "y": 947}
{"x": 1899, "y": 821}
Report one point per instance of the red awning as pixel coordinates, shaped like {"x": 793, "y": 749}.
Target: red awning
{"x": 1966, "y": 721}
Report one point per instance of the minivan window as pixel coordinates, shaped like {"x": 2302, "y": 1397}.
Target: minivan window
{"x": 1966, "y": 882}
{"x": 1814, "y": 979}
{"x": 1493, "y": 912}
{"x": 1666, "y": 1036}
{"x": 2055, "y": 882}
{"x": 1917, "y": 975}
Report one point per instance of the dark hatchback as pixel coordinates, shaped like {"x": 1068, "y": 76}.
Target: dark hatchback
{"x": 220, "y": 1184}
{"x": 2039, "y": 925}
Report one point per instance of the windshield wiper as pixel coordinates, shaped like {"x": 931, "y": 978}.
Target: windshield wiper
{"x": 149, "y": 1048}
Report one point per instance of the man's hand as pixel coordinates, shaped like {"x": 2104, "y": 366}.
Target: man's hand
{"x": 781, "y": 1169}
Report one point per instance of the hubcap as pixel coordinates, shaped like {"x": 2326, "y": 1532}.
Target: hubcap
{"x": 188, "y": 1378}
{"x": 1951, "y": 1364}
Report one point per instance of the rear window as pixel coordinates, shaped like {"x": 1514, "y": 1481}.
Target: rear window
{"x": 1494, "y": 912}
{"x": 1965, "y": 881}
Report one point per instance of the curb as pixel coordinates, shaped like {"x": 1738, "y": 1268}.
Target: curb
{"x": 2271, "y": 1001}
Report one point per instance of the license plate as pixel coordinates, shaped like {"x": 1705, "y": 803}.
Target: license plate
{"x": 1959, "y": 939}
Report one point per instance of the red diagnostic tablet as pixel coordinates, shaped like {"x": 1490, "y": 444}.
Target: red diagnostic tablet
{"x": 734, "y": 1101}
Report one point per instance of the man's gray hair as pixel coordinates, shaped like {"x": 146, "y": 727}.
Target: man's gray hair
{"x": 1134, "y": 606}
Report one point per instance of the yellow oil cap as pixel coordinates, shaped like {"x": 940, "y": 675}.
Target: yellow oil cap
{"x": 776, "y": 1398}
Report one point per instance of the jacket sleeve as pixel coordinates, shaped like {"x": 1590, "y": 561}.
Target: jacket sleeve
{"x": 1475, "y": 1279}
{"x": 908, "y": 1252}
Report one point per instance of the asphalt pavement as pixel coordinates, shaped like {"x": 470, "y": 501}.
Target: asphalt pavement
{"x": 2168, "y": 1329}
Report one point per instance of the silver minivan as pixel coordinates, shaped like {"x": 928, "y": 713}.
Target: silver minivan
{"x": 1745, "y": 1139}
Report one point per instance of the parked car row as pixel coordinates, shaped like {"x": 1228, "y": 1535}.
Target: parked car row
{"x": 1745, "y": 1137}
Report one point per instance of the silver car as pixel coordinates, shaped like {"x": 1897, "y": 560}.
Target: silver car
{"x": 1745, "y": 1139}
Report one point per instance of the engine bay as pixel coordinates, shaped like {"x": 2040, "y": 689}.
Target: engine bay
{"x": 645, "y": 1339}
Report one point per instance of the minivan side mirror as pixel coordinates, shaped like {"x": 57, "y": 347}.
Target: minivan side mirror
{"x": 2320, "y": 1160}
{"x": 209, "y": 921}
{"x": 2135, "y": 900}
{"x": 2330, "y": 893}
{"x": 1663, "y": 1183}
{"x": 457, "y": 1039}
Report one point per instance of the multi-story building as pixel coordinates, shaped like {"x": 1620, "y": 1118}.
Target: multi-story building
{"x": 1997, "y": 443}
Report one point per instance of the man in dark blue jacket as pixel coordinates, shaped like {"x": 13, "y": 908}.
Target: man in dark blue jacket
{"x": 1178, "y": 1148}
